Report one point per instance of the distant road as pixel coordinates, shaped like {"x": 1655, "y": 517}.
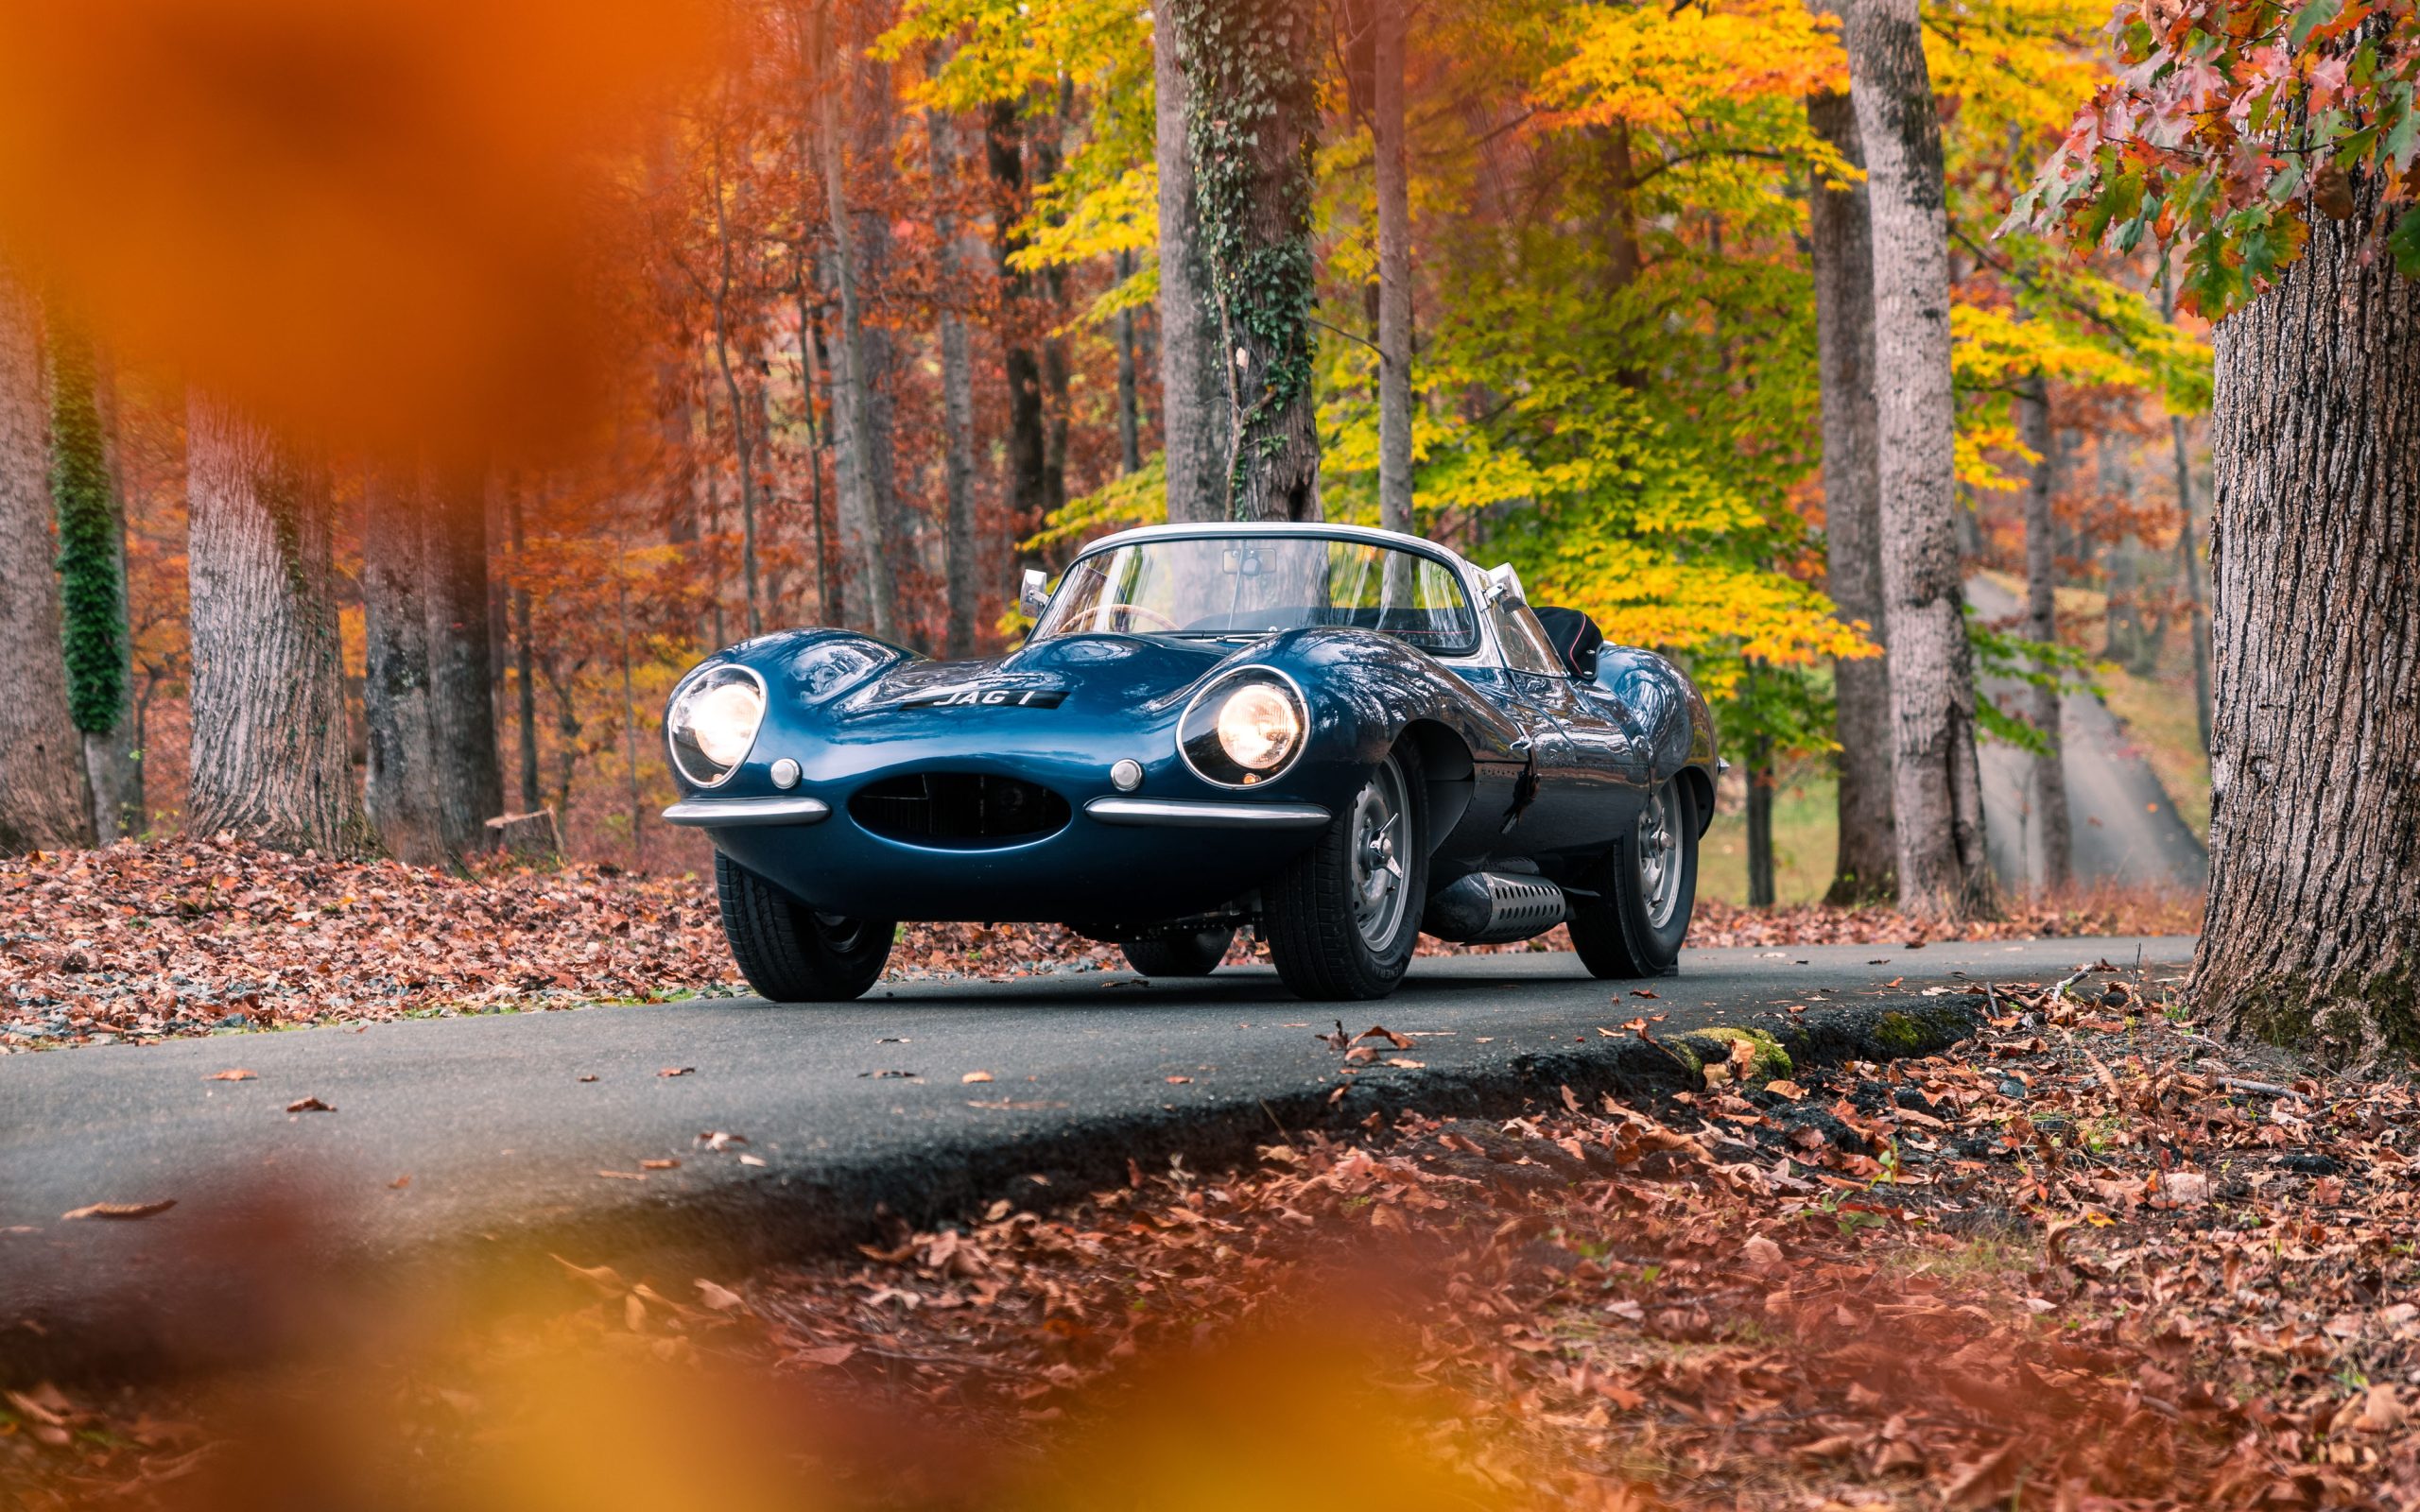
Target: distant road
{"x": 2124, "y": 825}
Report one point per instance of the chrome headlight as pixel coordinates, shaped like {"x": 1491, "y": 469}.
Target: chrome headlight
{"x": 713, "y": 722}
{"x": 1245, "y": 728}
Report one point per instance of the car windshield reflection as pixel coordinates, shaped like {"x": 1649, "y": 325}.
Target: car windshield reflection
{"x": 1244, "y": 586}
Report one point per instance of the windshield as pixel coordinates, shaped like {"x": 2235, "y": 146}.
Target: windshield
{"x": 1251, "y": 585}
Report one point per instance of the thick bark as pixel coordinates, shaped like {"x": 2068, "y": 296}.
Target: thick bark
{"x": 461, "y": 653}
{"x": 1394, "y": 269}
{"x": 45, "y": 799}
{"x": 91, "y": 572}
{"x": 958, "y": 407}
{"x": 1003, "y": 157}
{"x": 1936, "y": 780}
{"x": 2049, "y": 782}
{"x": 272, "y": 759}
{"x": 1253, "y": 121}
{"x": 852, "y": 417}
{"x": 1194, "y": 427}
{"x": 2314, "y": 931}
{"x": 1866, "y": 864}
{"x": 401, "y": 784}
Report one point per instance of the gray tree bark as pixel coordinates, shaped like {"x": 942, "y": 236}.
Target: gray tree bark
{"x": 852, "y": 421}
{"x": 957, "y": 404}
{"x": 1194, "y": 427}
{"x": 44, "y": 798}
{"x": 2049, "y": 781}
{"x": 461, "y": 652}
{"x": 1866, "y": 864}
{"x": 271, "y": 757}
{"x": 1936, "y": 779}
{"x": 1394, "y": 269}
{"x": 400, "y": 778}
{"x": 2314, "y": 931}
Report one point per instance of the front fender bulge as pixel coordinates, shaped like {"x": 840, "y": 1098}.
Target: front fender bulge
{"x": 1670, "y": 715}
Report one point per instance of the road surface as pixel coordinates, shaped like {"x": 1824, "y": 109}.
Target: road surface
{"x": 933, "y": 1099}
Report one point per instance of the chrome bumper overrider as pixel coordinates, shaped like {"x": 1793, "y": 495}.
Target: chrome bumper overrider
{"x": 1187, "y": 813}
{"x": 735, "y": 813}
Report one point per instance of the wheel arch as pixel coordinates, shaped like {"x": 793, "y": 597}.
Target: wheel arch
{"x": 1447, "y": 773}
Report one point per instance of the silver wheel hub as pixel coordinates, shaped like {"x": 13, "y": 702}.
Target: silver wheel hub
{"x": 1377, "y": 848}
{"x": 1658, "y": 849}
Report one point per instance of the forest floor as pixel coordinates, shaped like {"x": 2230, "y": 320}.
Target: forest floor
{"x": 2087, "y": 1258}
{"x": 143, "y": 942}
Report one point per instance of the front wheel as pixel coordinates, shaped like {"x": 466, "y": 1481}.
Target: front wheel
{"x": 1646, "y": 891}
{"x": 789, "y": 951}
{"x": 1194, "y": 955}
{"x": 1343, "y": 916}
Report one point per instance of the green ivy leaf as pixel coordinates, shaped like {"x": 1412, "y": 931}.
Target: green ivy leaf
{"x": 2404, "y": 242}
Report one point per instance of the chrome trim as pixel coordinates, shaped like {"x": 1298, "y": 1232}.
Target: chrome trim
{"x": 1185, "y": 814}
{"x": 1236, "y": 676}
{"x": 672, "y": 752}
{"x": 743, "y": 813}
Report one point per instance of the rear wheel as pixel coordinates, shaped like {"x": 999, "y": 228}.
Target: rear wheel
{"x": 1343, "y": 916}
{"x": 787, "y": 950}
{"x": 1646, "y": 891}
{"x": 1191, "y": 954}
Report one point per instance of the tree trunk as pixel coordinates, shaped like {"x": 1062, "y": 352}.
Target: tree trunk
{"x": 401, "y": 784}
{"x": 1394, "y": 269}
{"x": 2049, "y": 779}
{"x": 271, "y": 758}
{"x": 1253, "y": 122}
{"x": 2314, "y": 931}
{"x": 1194, "y": 427}
{"x": 1130, "y": 421}
{"x": 1004, "y": 156}
{"x": 1937, "y": 790}
{"x": 461, "y": 682}
{"x": 2188, "y": 552}
{"x": 92, "y": 572}
{"x": 957, "y": 405}
{"x": 1866, "y": 864}
{"x": 524, "y": 656}
{"x": 852, "y": 420}
{"x": 1760, "y": 822}
{"x": 44, "y": 798}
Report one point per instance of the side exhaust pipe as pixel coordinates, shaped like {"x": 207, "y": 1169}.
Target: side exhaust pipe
{"x": 1493, "y": 908}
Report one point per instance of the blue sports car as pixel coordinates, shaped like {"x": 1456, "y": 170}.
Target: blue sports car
{"x": 1339, "y": 738}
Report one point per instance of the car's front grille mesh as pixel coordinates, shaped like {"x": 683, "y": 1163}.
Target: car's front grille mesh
{"x": 963, "y": 809}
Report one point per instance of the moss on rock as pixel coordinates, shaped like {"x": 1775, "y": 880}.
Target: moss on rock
{"x": 1714, "y": 1045}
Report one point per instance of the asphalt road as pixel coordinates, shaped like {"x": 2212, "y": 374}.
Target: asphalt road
{"x": 504, "y": 1123}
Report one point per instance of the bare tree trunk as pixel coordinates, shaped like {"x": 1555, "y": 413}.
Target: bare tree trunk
{"x": 1004, "y": 156}
{"x": 1937, "y": 790}
{"x": 2050, "y": 780}
{"x": 461, "y": 651}
{"x": 92, "y": 577}
{"x": 44, "y": 798}
{"x": 401, "y": 781}
{"x": 1866, "y": 864}
{"x": 2188, "y": 552}
{"x": 1194, "y": 425}
{"x": 852, "y": 423}
{"x": 1394, "y": 269}
{"x": 742, "y": 443}
{"x": 2313, "y": 933}
{"x": 1253, "y": 120}
{"x": 524, "y": 656}
{"x": 271, "y": 758}
{"x": 957, "y": 405}
{"x": 630, "y": 700}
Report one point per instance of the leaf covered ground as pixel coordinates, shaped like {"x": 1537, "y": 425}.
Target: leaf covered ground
{"x": 2086, "y": 1259}
{"x": 143, "y": 942}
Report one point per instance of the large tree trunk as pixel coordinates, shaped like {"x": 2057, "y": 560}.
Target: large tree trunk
{"x": 271, "y": 758}
{"x": 1936, "y": 780}
{"x": 743, "y": 444}
{"x": 1394, "y": 270}
{"x": 45, "y": 801}
{"x": 852, "y": 417}
{"x": 1194, "y": 427}
{"x": 2314, "y": 931}
{"x": 461, "y": 651}
{"x": 401, "y": 780}
{"x": 1866, "y": 864}
{"x": 2049, "y": 779}
{"x": 1003, "y": 157}
{"x": 525, "y": 686}
{"x": 92, "y": 572}
{"x": 957, "y": 405}
{"x": 1253, "y": 120}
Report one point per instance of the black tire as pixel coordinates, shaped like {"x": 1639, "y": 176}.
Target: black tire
{"x": 789, "y": 953}
{"x": 1194, "y": 955}
{"x": 1618, "y": 933}
{"x": 1316, "y": 931}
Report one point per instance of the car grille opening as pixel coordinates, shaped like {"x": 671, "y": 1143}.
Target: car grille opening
{"x": 958, "y": 809}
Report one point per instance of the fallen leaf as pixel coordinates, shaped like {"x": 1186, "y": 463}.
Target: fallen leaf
{"x": 309, "y": 1104}
{"x": 659, "y": 1165}
{"x": 399, "y": 1183}
{"x": 974, "y": 1076}
{"x": 588, "y": 1078}
{"x": 1407, "y": 1063}
{"x": 1379, "y": 1031}
{"x": 1784, "y": 1088}
{"x": 1178, "y": 1081}
{"x": 676, "y": 1071}
{"x": 752, "y": 1159}
{"x": 624, "y": 1175}
{"x": 230, "y": 1074}
{"x": 826, "y": 1355}
{"x": 719, "y": 1139}
{"x": 605, "y": 1278}
{"x": 1642, "y": 992}
{"x": 121, "y": 1210}
{"x": 719, "y": 1299}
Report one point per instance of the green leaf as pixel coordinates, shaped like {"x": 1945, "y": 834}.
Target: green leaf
{"x": 2314, "y": 15}
{"x": 2404, "y": 242}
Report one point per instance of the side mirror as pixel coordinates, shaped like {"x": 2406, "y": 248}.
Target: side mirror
{"x": 1504, "y": 586}
{"x": 1033, "y": 591}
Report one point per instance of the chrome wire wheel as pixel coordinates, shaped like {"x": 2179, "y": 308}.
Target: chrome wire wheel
{"x": 1659, "y": 854}
{"x": 1379, "y": 896}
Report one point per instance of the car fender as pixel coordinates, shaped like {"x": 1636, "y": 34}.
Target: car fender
{"x": 1671, "y": 716}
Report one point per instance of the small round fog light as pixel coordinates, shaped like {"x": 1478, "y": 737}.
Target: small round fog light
{"x": 1126, "y": 774}
{"x": 786, "y": 774}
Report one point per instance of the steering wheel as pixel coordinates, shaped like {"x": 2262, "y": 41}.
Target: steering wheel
{"x": 1106, "y": 611}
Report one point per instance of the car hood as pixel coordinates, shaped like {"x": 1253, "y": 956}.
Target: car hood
{"x": 1073, "y": 671}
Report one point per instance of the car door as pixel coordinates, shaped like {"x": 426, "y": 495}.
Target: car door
{"x": 1590, "y": 773}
